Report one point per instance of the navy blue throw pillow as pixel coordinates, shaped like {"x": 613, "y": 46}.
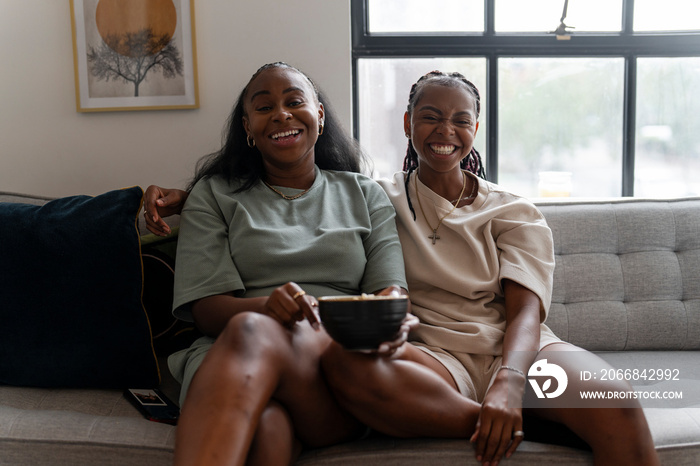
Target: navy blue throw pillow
{"x": 71, "y": 281}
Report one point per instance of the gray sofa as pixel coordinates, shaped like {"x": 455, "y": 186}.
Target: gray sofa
{"x": 626, "y": 285}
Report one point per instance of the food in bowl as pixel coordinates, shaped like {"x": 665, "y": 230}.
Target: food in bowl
{"x": 362, "y": 322}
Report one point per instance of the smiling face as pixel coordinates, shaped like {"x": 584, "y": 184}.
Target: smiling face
{"x": 282, "y": 116}
{"x": 442, "y": 126}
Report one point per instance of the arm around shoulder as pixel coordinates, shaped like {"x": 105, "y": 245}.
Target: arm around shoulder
{"x": 159, "y": 203}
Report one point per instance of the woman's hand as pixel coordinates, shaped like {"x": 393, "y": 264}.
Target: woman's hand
{"x": 501, "y": 412}
{"x": 289, "y": 304}
{"x": 500, "y": 417}
{"x": 391, "y": 348}
{"x": 394, "y": 347}
{"x": 161, "y": 202}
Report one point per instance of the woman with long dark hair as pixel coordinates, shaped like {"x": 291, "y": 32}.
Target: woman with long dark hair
{"x": 249, "y": 267}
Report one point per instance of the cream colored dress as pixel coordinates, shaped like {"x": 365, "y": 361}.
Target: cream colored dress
{"x": 456, "y": 284}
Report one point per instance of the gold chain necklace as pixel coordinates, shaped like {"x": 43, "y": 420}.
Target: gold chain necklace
{"x": 284, "y": 196}
{"x": 435, "y": 236}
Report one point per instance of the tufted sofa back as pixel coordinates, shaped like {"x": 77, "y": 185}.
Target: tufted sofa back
{"x": 627, "y": 273}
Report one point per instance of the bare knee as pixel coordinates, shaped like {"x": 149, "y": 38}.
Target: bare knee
{"x": 253, "y": 333}
{"x": 621, "y": 431}
{"x": 274, "y": 441}
{"x": 250, "y": 325}
{"x": 275, "y": 423}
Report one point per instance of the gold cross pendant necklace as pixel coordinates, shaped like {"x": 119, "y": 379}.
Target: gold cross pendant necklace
{"x": 435, "y": 236}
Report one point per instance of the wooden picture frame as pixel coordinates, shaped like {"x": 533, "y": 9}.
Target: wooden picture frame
{"x": 134, "y": 55}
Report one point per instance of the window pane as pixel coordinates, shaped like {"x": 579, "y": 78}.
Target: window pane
{"x": 667, "y": 154}
{"x": 561, "y": 115}
{"x": 669, "y": 15}
{"x": 426, "y": 16}
{"x": 545, "y": 15}
{"x": 383, "y": 88}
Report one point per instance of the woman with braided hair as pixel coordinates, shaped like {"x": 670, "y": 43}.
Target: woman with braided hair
{"x": 479, "y": 264}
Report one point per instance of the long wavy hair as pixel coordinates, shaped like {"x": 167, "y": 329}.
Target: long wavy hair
{"x": 472, "y": 162}
{"x": 334, "y": 150}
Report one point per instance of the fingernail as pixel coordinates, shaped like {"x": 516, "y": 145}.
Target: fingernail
{"x": 383, "y": 347}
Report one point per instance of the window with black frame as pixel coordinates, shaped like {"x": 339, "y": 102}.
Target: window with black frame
{"x": 584, "y": 98}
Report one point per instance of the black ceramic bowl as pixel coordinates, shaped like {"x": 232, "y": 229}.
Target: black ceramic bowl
{"x": 362, "y": 322}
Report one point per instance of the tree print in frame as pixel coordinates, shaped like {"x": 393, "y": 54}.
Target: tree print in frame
{"x": 134, "y": 55}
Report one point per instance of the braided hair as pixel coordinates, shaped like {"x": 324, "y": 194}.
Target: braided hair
{"x": 472, "y": 162}
{"x": 335, "y": 150}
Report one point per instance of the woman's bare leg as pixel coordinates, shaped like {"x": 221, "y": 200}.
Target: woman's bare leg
{"x": 274, "y": 443}
{"x": 407, "y": 396}
{"x": 617, "y": 434}
{"x": 253, "y": 361}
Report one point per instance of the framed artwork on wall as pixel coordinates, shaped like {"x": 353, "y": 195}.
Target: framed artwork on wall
{"x": 134, "y": 55}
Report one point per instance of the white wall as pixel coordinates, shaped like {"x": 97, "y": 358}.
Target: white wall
{"x": 47, "y": 148}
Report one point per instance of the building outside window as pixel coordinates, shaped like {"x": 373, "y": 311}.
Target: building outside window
{"x": 584, "y": 98}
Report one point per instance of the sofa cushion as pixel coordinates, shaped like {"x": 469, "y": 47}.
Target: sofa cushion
{"x": 70, "y": 294}
{"x": 626, "y": 273}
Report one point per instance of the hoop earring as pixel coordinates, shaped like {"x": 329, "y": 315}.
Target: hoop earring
{"x": 320, "y": 129}
{"x": 250, "y": 141}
